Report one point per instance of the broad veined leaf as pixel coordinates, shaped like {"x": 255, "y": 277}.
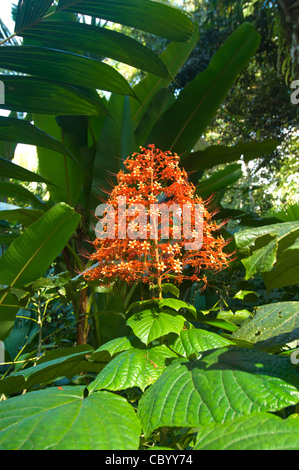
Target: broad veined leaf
{"x": 220, "y": 387}
{"x": 177, "y": 305}
{"x": 62, "y": 419}
{"x": 272, "y": 326}
{"x": 30, "y": 12}
{"x": 286, "y": 270}
{"x": 23, "y": 215}
{"x": 168, "y": 303}
{"x": 97, "y": 40}
{"x": 152, "y": 16}
{"x": 37, "y": 95}
{"x": 65, "y": 67}
{"x": 133, "y": 368}
{"x": 236, "y": 318}
{"x": 11, "y": 170}
{"x": 151, "y": 324}
{"x": 184, "y": 122}
{"x": 193, "y": 342}
{"x": 266, "y": 248}
{"x": 251, "y": 361}
{"x": 167, "y": 288}
{"x": 20, "y": 131}
{"x": 30, "y": 255}
{"x": 289, "y": 213}
{"x": 44, "y": 372}
{"x": 115, "y": 346}
{"x": 259, "y": 431}
{"x": 219, "y": 154}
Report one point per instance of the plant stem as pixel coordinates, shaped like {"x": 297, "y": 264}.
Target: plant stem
{"x": 163, "y": 436}
{"x": 82, "y": 326}
{"x": 158, "y": 261}
{"x": 40, "y": 326}
{"x": 8, "y": 39}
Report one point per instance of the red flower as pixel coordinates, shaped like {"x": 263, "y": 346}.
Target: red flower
{"x": 145, "y": 246}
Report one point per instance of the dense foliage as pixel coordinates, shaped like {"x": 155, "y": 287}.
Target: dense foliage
{"x": 120, "y": 345}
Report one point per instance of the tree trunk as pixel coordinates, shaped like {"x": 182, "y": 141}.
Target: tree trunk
{"x": 82, "y": 325}
{"x": 289, "y": 10}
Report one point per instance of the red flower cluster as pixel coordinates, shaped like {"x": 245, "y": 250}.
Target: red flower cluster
{"x": 156, "y": 247}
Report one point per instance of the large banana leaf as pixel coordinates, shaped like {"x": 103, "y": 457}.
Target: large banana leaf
{"x": 97, "y": 40}
{"x": 219, "y": 181}
{"x": 219, "y": 154}
{"x": 116, "y": 141}
{"x": 153, "y": 16}
{"x": 67, "y": 173}
{"x": 174, "y": 57}
{"x": 181, "y": 126}
{"x": 28, "y": 257}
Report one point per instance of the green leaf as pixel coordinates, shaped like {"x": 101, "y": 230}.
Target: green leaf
{"x": 7, "y": 236}
{"x": 270, "y": 247}
{"x": 272, "y": 326}
{"x": 177, "y": 305}
{"x": 151, "y": 324}
{"x": 182, "y": 125}
{"x": 159, "y": 103}
{"x": 114, "y": 347}
{"x": 220, "y": 154}
{"x": 36, "y": 95}
{"x": 236, "y": 318}
{"x": 28, "y": 257}
{"x": 246, "y": 295}
{"x": 222, "y": 386}
{"x": 65, "y": 67}
{"x": 100, "y": 41}
{"x": 133, "y": 368}
{"x": 152, "y": 16}
{"x": 22, "y": 194}
{"x": 116, "y": 141}
{"x": 62, "y": 419}
{"x": 20, "y": 131}
{"x": 11, "y": 170}
{"x": 29, "y": 12}
{"x": 23, "y": 215}
{"x": 220, "y": 180}
{"x": 192, "y": 342}
{"x": 47, "y": 370}
{"x": 67, "y": 172}
{"x": 174, "y": 57}
{"x": 261, "y": 431}
{"x": 286, "y": 269}
{"x": 167, "y": 287}
{"x": 289, "y": 213}
{"x": 208, "y": 317}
